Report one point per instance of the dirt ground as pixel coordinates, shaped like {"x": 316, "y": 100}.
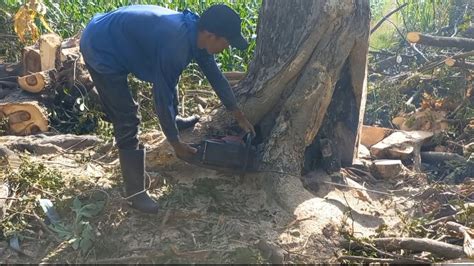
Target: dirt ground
{"x": 209, "y": 217}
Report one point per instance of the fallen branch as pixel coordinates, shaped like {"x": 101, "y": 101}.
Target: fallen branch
{"x": 125, "y": 259}
{"x": 438, "y": 41}
{"x": 386, "y": 17}
{"x": 458, "y": 228}
{"x": 366, "y": 259}
{"x": 389, "y": 244}
{"x": 459, "y": 63}
{"x": 438, "y": 157}
{"x": 420, "y": 244}
{"x": 468, "y": 245}
{"x": 434, "y": 64}
{"x": 46, "y": 228}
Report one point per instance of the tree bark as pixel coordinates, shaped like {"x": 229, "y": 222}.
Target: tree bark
{"x": 305, "y": 84}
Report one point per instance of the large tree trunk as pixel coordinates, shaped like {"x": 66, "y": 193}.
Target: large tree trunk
{"x": 305, "y": 86}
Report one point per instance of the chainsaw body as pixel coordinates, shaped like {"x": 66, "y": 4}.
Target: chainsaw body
{"x": 229, "y": 154}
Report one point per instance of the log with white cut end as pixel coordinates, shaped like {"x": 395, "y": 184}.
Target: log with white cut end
{"x": 23, "y": 113}
{"x": 439, "y": 41}
{"x": 372, "y": 135}
{"x": 234, "y": 77}
{"x": 42, "y": 56}
{"x": 459, "y": 63}
{"x": 388, "y": 169}
{"x": 37, "y": 82}
{"x": 50, "y": 51}
{"x": 400, "y": 145}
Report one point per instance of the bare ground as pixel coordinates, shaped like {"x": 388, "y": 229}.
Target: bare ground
{"x": 208, "y": 217}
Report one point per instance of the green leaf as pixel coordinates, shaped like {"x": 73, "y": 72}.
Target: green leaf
{"x": 90, "y": 210}
{"x": 76, "y": 204}
{"x": 75, "y": 243}
{"x": 63, "y": 231}
{"x": 85, "y": 245}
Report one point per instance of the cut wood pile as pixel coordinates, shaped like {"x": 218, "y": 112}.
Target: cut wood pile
{"x": 430, "y": 81}
{"x": 419, "y": 135}
{"x": 51, "y": 74}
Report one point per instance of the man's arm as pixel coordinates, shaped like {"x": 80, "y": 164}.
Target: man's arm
{"x": 221, "y": 86}
{"x": 219, "y": 83}
{"x": 164, "y": 96}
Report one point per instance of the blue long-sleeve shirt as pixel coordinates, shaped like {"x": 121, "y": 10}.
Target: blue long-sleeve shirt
{"x": 155, "y": 44}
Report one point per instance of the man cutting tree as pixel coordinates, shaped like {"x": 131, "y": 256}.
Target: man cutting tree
{"x": 156, "y": 44}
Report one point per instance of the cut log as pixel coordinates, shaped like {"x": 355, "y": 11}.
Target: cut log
{"x": 434, "y": 157}
{"x": 459, "y": 63}
{"x": 424, "y": 120}
{"x": 41, "y": 144}
{"x": 372, "y": 135}
{"x": 389, "y": 169}
{"x": 70, "y": 53}
{"x": 438, "y": 41}
{"x": 364, "y": 152}
{"x": 24, "y": 115}
{"x": 37, "y": 82}
{"x": 234, "y": 77}
{"x": 31, "y": 60}
{"x": 50, "y": 51}
{"x": 400, "y": 145}
{"x": 11, "y": 70}
{"x": 24, "y": 118}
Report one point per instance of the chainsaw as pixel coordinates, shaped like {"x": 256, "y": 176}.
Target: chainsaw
{"x": 232, "y": 154}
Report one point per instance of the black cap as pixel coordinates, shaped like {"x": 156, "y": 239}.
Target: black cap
{"x": 224, "y": 22}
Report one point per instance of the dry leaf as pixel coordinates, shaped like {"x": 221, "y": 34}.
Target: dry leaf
{"x": 360, "y": 195}
{"x": 24, "y": 23}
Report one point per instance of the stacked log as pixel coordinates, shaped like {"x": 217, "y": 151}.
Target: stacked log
{"x": 49, "y": 64}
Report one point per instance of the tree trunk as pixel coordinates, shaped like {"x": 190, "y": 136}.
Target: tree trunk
{"x": 305, "y": 86}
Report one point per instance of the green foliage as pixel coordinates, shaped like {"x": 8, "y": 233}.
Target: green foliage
{"x": 425, "y": 15}
{"x": 384, "y": 101}
{"x": 30, "y": 181}
{"x": 246, "y": 255}
{"x": 3, "y": 125}
{"x": 70, "y": 16}
{"x": 36, "y": 176}
{"x": 80, "y": 234}
{"x": 10, "y": 46}
{"x": 72, "y": 110}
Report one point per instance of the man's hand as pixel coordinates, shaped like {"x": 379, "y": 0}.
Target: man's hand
{"x": 243, "y": 122}
{"x": 183, "y": 150}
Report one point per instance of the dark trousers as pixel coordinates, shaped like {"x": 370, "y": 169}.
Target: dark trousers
{"x": 119, "y": 106}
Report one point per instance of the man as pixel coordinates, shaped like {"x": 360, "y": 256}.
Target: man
{"x": 156, "y": 44}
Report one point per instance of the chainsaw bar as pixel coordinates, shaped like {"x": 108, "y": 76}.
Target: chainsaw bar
{"x": 231, "y": 154}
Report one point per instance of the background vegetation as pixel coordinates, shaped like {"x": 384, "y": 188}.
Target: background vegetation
{"x": 69, "y": 17}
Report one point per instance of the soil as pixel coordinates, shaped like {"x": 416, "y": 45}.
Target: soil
{"x": 210, "y": 217}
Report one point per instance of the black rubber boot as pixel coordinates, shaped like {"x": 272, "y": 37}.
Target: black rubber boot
{"x": 184, "y": 123}
{"x": 132, "y": 163}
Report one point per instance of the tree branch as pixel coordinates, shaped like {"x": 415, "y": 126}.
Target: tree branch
{"x": 386, "y": 17}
